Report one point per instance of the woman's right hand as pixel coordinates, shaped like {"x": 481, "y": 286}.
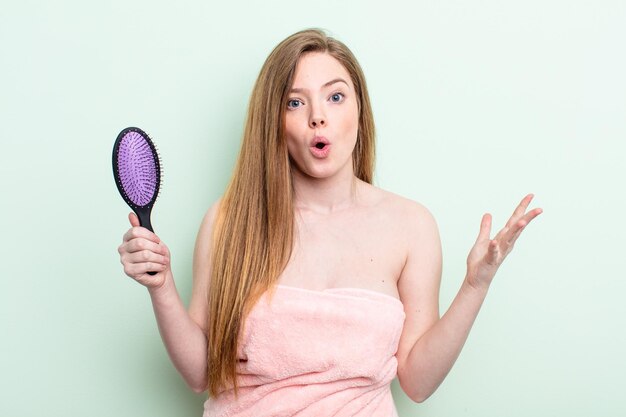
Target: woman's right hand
{"x": 142, "y": 251}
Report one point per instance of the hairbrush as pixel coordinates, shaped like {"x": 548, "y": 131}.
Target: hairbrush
{"x": 137, "y": 172}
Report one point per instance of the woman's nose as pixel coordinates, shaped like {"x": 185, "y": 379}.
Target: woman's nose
{"x": 317, "y": 118}
{"x": 317, "y": 122}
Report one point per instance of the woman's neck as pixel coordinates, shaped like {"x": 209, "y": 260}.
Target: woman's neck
{"x": 324, "y": 195}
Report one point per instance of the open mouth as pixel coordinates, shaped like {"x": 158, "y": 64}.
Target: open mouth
{"x": 320, "y": 146}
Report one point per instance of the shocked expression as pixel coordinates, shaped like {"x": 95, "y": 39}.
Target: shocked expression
{"x": 321, "y": 117}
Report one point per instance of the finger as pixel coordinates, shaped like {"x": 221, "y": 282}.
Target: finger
{"x": 139, "y": 263}
{"x": 520, "y": 210}
{"x": 492, "y": 252}
{"x": 528, "y": 217}
{"x": 137, "y": 271}
{"x": 140, "y": 232}
{"x": 517, "y": 229}
{"x": 133, "y": 219}
{"x": 485, "y": 228}
{"x": 140, "y": 244}
{"x": 146, "y": 256}
{"x": 515, "y": 232}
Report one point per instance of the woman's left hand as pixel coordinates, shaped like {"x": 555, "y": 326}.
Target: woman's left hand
{"x": 488, "y": 254}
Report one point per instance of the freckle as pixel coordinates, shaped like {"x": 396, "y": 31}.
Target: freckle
{"x": 371, "y": 260}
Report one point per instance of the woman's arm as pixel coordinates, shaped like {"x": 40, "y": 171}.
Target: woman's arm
{"x": 182, "y": 332}
{"x": 184, "y": 339}
{"x": 429, "y": 346}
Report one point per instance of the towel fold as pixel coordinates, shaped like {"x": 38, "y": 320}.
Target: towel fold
{"x": 316, "y": 353}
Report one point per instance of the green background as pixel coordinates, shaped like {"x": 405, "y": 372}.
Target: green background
{"x": 476, "y": 103}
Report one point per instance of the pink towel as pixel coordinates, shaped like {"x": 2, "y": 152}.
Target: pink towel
{"x": 318, "y": 354}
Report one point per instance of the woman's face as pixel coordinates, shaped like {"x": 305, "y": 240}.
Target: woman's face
{"x": 322, "y": 117}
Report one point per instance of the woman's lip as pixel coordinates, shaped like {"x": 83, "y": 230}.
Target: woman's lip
{"x": 319, "y": 139}
{"x": 320, "y": 153}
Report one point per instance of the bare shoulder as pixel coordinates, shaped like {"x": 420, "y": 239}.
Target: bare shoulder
{"x": 198, "y": 307}
{"x": 415, "y": 235}
{"x": 399, "y": 210}
{"x": 204, "y": 239}
{"x": 209, "y": 219}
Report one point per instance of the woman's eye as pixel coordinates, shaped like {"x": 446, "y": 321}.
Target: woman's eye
{"x": 336, "y": 98}
{"x": 294, "y": 103}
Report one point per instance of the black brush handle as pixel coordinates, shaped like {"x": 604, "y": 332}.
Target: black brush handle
{"x": 143, "y": 214}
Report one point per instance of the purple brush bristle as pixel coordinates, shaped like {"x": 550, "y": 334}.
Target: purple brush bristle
{"x": 137, "y": 168}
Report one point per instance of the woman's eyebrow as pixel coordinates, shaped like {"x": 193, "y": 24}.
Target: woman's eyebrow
{"x": 329, "y": 83}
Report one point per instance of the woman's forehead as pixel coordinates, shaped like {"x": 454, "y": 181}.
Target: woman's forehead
{"x": 316, "y": 69}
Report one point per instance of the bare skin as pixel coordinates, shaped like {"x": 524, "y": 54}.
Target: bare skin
{"x": 349, "y": 234}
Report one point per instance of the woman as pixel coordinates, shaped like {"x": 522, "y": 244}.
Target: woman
{"x": 313, "y": 289}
